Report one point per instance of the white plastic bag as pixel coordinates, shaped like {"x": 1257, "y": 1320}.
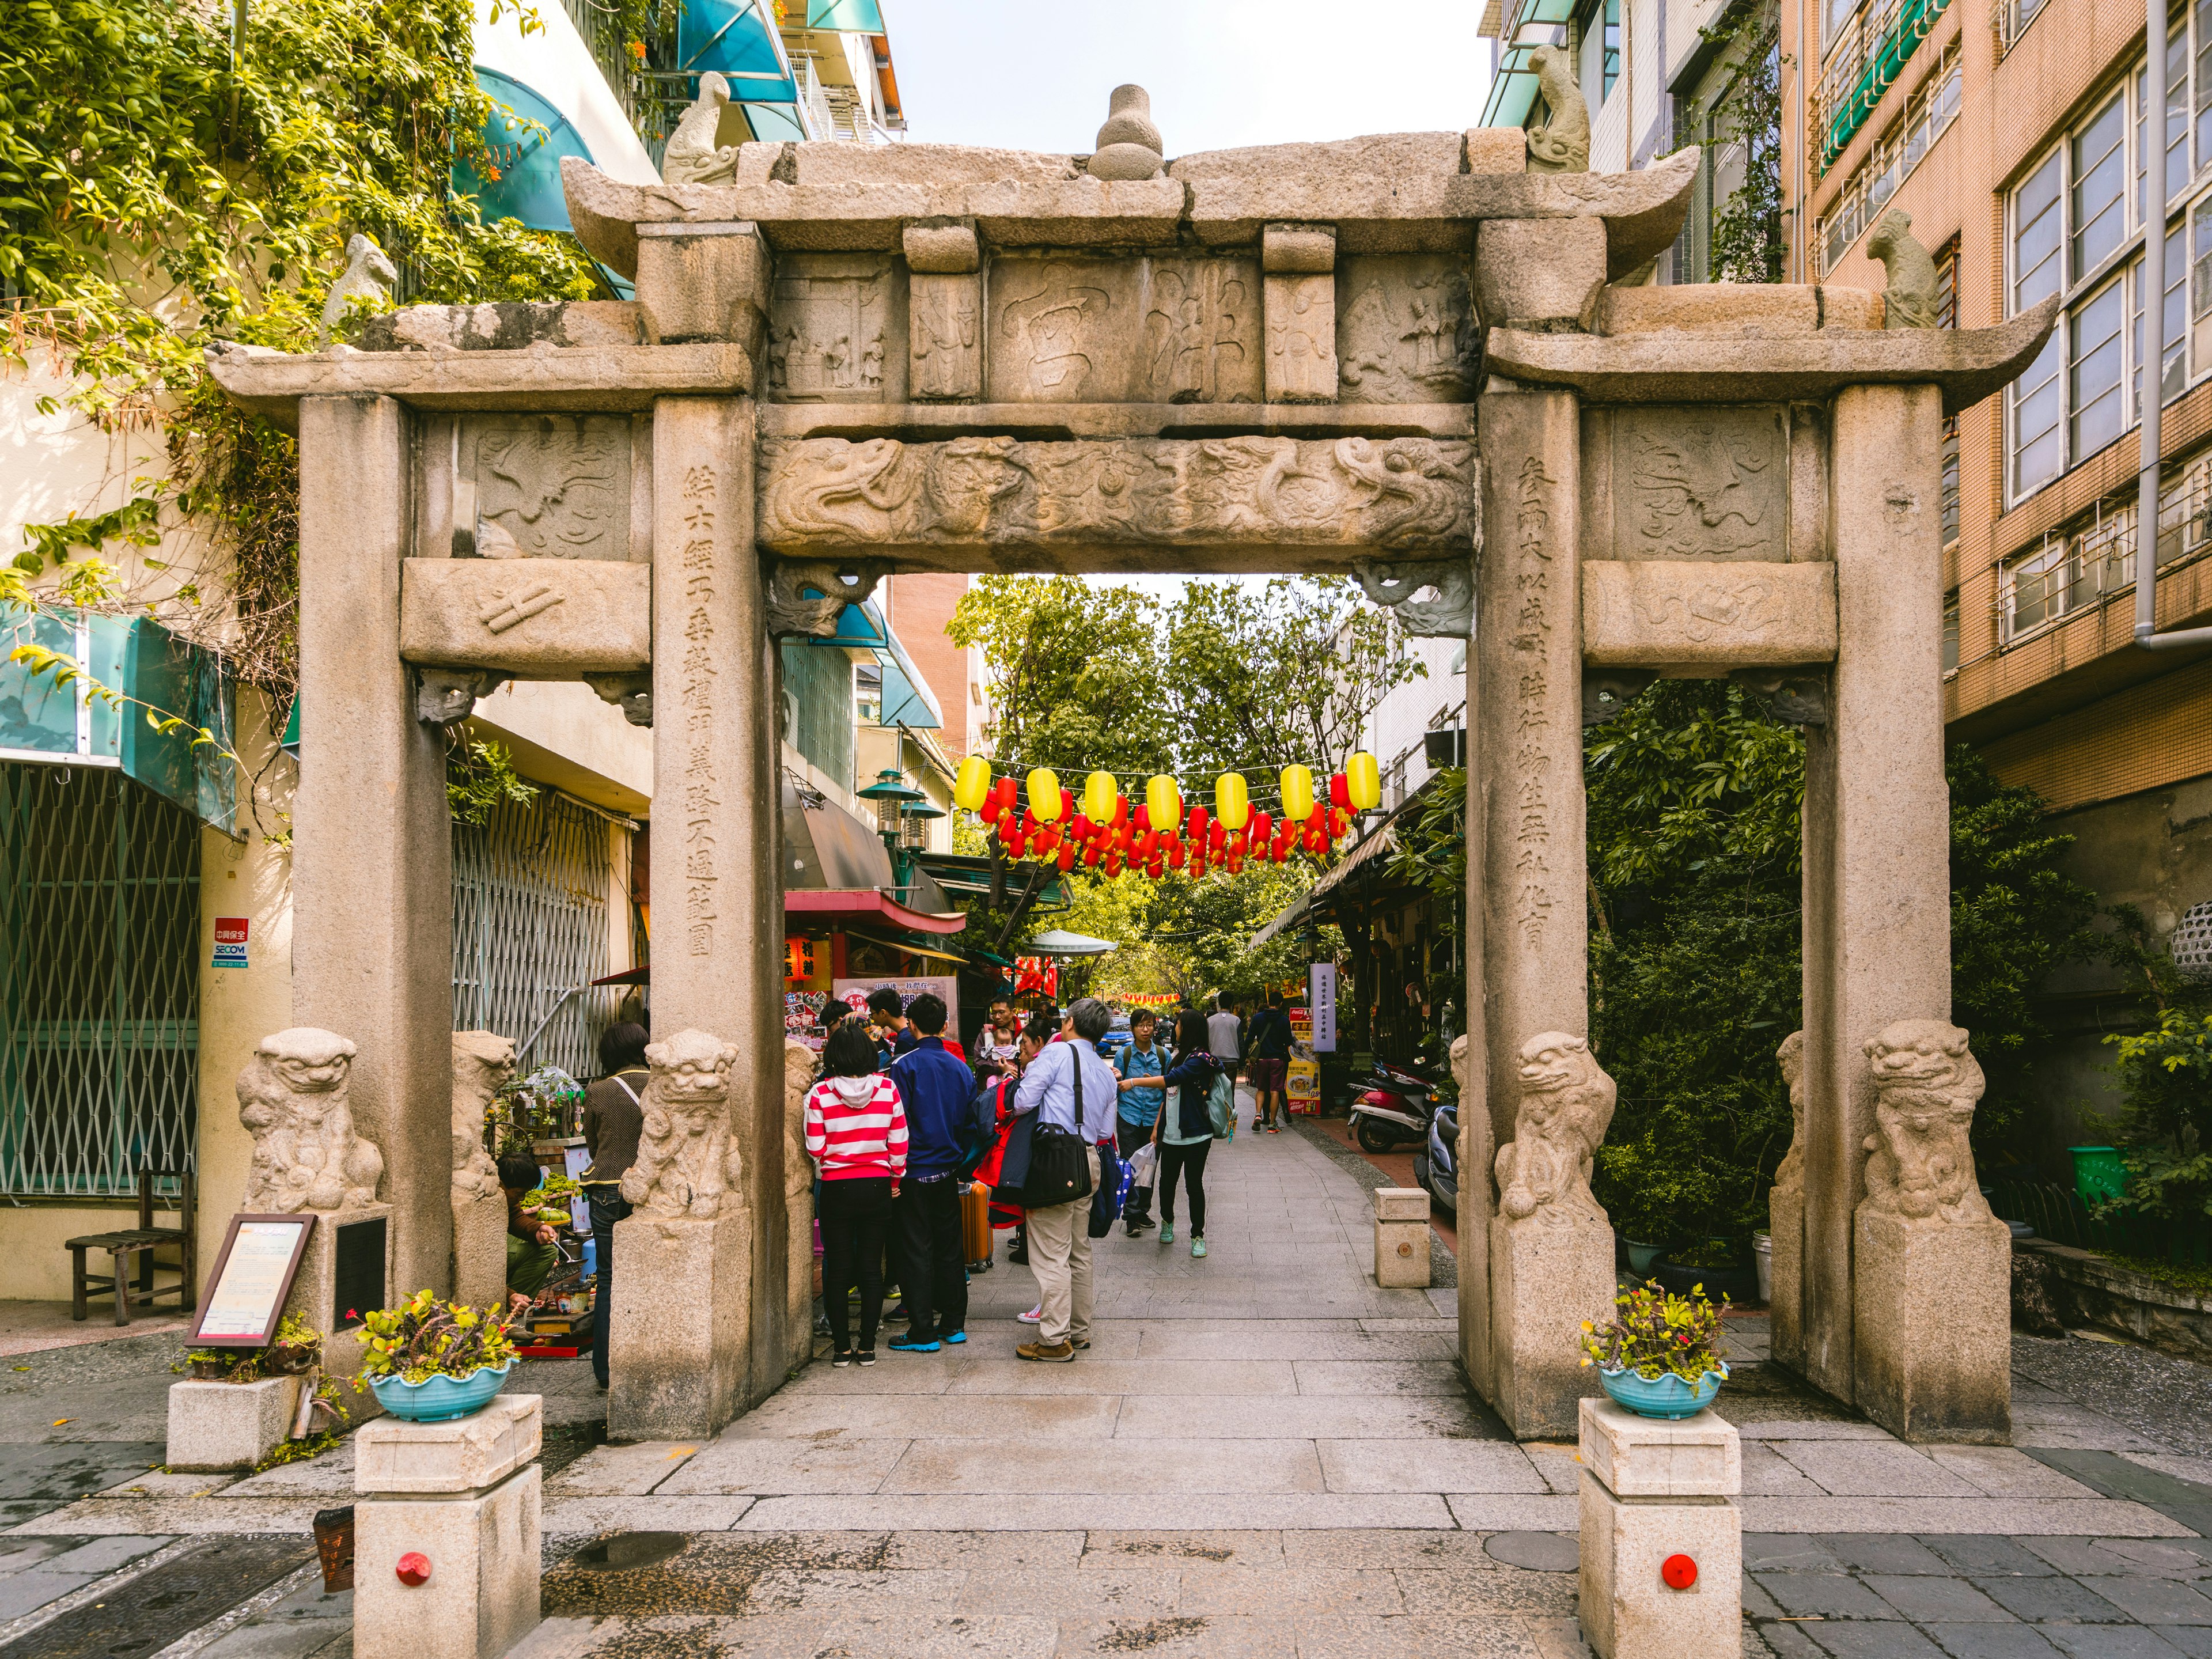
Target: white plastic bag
{"x": 1142, "y": 1163}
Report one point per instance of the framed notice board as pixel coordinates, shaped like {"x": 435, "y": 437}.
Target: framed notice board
{"x": 246, "y": 1293}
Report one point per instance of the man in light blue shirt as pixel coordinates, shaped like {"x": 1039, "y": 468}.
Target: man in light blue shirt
{"x": 1060, "y": 1236}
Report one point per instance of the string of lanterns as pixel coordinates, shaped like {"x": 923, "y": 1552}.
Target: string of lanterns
{"x": 1038, "y": 818}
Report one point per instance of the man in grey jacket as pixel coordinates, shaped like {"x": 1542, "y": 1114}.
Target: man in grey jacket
{"x": 1072, "y": 1088}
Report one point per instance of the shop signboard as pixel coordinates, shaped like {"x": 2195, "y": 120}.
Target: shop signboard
{"x": 853, "y": 994}
{"x": 1321, "y": 1002}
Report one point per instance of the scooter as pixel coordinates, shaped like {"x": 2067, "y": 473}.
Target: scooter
{"x": 1433, "y": 1167}
{"x": 1395, "y": 1108}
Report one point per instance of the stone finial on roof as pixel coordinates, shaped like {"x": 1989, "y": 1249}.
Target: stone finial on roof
{"x": 1128, "y": 144}
{"x": 692, "y": 156}
{"x": 1562, "y": 144}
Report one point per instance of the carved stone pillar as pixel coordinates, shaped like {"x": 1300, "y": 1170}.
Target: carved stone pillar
{"x": 1550, "y": 1265}
{"x": 1298, "y": 273}
{"x": 371, "y": 860}
{"x": 1785, "y": 1221}
{"x": 944, "y": 312}
{"x": 718, "y": 936}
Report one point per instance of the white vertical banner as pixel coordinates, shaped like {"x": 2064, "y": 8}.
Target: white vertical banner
{"x": 1320, "y": 998}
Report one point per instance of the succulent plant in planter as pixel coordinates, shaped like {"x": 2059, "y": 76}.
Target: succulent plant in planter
{"x": 297, "y": 1350}
{"x": 1658, "y": 1355}
{"x": 431, "y": 1361}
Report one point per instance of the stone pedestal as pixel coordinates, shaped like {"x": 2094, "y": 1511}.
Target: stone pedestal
{"x": 316, "y": 1297}
{"x": 480, "y": 1252}
{"x": 798, "y": 1275}
{"x": 1785, "y": 1306}
{"x": 230, "y": 1425}
{"x": 1539, "y": 273}
{"x": 678, "y": 1326}
{"x": 1934, "y": 1327}
{"x": 1652, "y": 1491}
{"x": 1547, "y": 1275}
{"x": 464, "y": 1498}
{"x": 702, "y": 282}
{"x": 1401, "y": 1238}
{"x": 372, "y": 861}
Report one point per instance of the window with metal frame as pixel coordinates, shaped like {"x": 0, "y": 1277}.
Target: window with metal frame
{"x": 100, "y": 991}
{"x": 1929, "y": 113}
{"x": 530, "y": 888}
{"x": 2092, "y": 561}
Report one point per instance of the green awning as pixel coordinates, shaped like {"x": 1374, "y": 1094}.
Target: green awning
{"x": 526, "y": 137}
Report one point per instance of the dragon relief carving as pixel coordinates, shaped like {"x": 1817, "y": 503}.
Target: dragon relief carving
{"x": 292, "y": 1099}
{"x": 1390, "y": 493}
{"x": 687, "y": 1164}
{"x": 483, "y": 1064}
{"x": 1704, "y": 492}
{"x": 1559, "y": 1121}
{"x": 1926, "y": 1082}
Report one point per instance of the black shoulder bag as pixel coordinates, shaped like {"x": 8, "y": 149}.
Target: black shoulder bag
{"x": 1059, "y": 1170}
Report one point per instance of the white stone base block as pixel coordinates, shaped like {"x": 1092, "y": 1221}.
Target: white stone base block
{"x": 468, "y": 1454}
{"x": 678, "y": 1326}
{"x": 480, "y": 1252}
{"x": 1628, "y": 1611}
{"x": 1401, "y": 1255}
{"x": 481, "y": 1596}
{"x": 1548, "y": 1272}
{"x": 1932, "y": 1328}
{"x": 230, "y": 1425}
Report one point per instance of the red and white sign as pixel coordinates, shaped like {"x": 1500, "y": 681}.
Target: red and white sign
{"x": 230, "y": 941}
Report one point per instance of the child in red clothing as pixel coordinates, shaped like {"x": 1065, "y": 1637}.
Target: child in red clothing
{"x": 856, "y": 1135}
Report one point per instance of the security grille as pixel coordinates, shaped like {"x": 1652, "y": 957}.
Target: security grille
{"x": 530, "y": 924}
{"x": 99, "y": 981}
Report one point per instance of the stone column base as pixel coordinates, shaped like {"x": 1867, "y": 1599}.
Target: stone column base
{"x": 1785, "y": 1308}
{"x": 1652, "y": 1491}
{"x": 230, "y": 1425}
{"x": 1401, "y": 1238}
{"x": 1932, "y": 1328}
{"x": 677, "y": 1330}
{"x": 1548, "y": 1272}
{"x": 480, "y": 1252}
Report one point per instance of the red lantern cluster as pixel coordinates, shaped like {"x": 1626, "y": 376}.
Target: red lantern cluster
{"x": 1128, "y": 843}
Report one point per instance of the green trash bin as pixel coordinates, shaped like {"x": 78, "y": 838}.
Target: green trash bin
{"x": 2098, "y": 1175}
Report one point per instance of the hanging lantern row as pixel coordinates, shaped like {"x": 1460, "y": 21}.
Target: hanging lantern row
{"x": 1039, "y": 819}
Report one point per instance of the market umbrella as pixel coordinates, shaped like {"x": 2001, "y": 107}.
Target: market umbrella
{"x": 1057, "y": 942}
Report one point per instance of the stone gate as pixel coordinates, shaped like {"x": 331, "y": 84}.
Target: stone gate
{"x": 1404, "y": 356}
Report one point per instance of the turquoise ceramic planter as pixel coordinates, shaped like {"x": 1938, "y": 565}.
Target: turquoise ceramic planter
{"x": 1667, "y": 1396}
{"x": 441, "y": 1399}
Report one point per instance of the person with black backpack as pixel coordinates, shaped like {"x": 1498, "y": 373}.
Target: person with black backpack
{"x": 1185, "y": 1131}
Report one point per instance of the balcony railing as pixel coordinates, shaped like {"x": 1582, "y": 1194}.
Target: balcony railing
{"x": 2010, "y": 20}
{"x": 2077, "y": 569}
{"x": 1864, "y": 64}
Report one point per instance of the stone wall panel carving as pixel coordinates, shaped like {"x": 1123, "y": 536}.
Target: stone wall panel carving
{"x": 944, "y": 324}
{"x": 820, "y": 494}
{"x": 1405, "y": 330}
{"x": 534, "y": 619}
{"x": 1560, "y": 1120}
{"x": 1702, "y": 481}
{"x": 541, "y": 486}
{"x": 1150, "y": 330}
{"x": 1301, "y": 339}
{"x": 1677, "y": 613}
{"x": 687, "y": 1164}
{"x": 292, "y": 1100}
{"x": 837, "y": 331}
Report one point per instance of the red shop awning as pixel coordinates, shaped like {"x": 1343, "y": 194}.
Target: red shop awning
{"x": 836, "y": 905}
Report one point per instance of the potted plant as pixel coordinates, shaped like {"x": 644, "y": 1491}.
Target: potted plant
{"x": 430, "y": 1360}
{"x": 297, "y": 1350}
{"x": 1657, "y": 1356}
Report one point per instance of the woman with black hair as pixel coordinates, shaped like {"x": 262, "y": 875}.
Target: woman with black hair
{"x": 1184, "y": 1131}
{"x": 614, "y": 1116}
{"x": 856, "y": 1135}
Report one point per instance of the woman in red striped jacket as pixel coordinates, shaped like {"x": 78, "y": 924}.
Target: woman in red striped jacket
{"x": 856, "y": 1135}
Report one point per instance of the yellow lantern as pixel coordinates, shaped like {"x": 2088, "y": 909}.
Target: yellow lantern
{"x": 1298, "y": 794}
{"x": 1044, "y": 795}
{"x": 1364, "y": 779}
{"x": 972, "y": 787}
{"x": 1162, "y": 803}
{"x": 1099, "y": 793}
{"x": 1232, "y": 805}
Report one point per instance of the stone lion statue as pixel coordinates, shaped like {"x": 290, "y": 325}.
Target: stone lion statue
{"x": 686, "y": 1163}
{"x": 1926, "y": 1081}
{"x": 1562, "y": 144}
{"x": 368, "y": 276}
{"x": 692, "y": 156}
{"x": 1565, "y": 1103}
{"x": 1789, "y": 1173}
{"x": 484, "y": 1063}
{"x": 1908, "y": 297}
{"x": 799, "y": 1065}
{"x": 307, "y": 1154}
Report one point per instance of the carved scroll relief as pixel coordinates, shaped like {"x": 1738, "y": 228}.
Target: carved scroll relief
{"x": 1405, "y": 330}
{"x": 827, "y": 493}
{"x": 833, "y": 328}
{"x": 535, "y": 619}
{"x": 1164, "y": 330}
{"x": 541, "y": 487}
{"x": 1703, "y": 483}
{"x": 1678, "y": 613}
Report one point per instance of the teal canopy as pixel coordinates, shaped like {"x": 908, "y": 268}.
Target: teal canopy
{"x": 847, "y": 16}
{"x": 526, "y": 147}
{"x": 736, "y": 38}
{"x": 1530, "y": 24}
{"x": 864, "y": 627}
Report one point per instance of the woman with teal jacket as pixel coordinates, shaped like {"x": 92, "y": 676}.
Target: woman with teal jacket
{"x": 1184, "y": 1132}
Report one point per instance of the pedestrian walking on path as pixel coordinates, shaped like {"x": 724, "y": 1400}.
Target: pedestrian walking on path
{"x": 1141, "y": 1065}
{"x": 1268, "y": 1063}
{"x": 1185, "y": 1130}
{"x": 938, "y": 1092}
{"x": 856, "y": 1134}
{"x": 1070, "y": 1087}
{"x": 614, "y": 1115}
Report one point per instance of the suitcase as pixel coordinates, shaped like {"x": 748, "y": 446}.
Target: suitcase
{"x": 976, "y": 1242}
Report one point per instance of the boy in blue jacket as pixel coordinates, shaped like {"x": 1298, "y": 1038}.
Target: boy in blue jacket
{"x": 936, "y": 1090}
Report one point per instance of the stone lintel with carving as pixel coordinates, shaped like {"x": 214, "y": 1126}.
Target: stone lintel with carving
{"x": 1709, "y": 615}
{"x": 539, "y": 380}
{"x": 1968, "y": 363}
{"x": 1047, "y": 423}
{"x": 539, "y": 619}
{"x": 1218, "y": 504}
{"x": 1392, "y": 193}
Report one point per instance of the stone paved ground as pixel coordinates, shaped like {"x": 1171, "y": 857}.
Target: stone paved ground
{"x": 1262, "y": 1455}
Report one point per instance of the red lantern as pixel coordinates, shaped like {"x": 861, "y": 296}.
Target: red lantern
{"x": 1198, "y": 821}
{"x": 1142, "y": 818}
{"x": 1339, "y": 791}
{"x": 1015, "y": 844}
{"x": 1067, "y": 859}
{"x": 1146, "y": 844}
{"x": 1154, "y": 871}
{"x": 1080, "y": 827}
{"x": 1174, "y": 855}
{"x": 1112, "y": 867}
{"x": 1066, "y": 804}
{"x": 1236, "y": 861}
{"x": 1091, "y": 856}
{"x": 1216, "y": 838}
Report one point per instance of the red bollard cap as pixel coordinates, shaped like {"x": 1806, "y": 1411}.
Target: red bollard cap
{"x": 1680, "y": 1572}
{"x": 414, "y": 1568}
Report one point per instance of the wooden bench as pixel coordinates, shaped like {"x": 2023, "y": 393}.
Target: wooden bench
{"x": 140, "y": 1242}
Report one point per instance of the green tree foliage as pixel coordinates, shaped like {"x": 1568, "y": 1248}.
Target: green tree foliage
{"x": 2166, "y": 1088}
{"x": 1748, "y": 243}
